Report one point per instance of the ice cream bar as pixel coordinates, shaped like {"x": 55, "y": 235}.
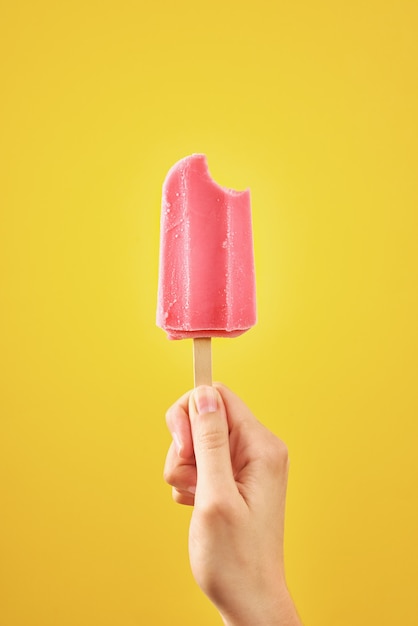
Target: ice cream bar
{"x": 206, "y": 276}
{"x": 206, "y": 279}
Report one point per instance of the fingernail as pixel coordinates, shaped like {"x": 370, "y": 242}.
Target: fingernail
{"x": 206, "y": 400}
{"x": 177, "y": 442}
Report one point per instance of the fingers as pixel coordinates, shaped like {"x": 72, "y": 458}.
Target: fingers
{"x": 183, "y": 497}
{"x": 210, "y": 433}
{"x": 216, "y": 437}
{"x": 177, "y": 418}
{"x": 180, "y": 466}
{"x": 180, "y": 473}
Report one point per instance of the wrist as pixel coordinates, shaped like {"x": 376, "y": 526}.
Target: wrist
{"x": 279, "y": 610}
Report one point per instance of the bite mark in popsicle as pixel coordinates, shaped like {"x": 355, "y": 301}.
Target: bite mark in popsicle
{"x": 206, "y": 277}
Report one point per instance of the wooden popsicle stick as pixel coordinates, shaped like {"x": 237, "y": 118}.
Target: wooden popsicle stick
{"x": 202, "y": 361}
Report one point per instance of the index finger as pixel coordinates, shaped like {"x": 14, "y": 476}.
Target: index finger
{"x": 178, "y": 422}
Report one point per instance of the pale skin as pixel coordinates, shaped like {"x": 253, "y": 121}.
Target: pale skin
{"x": 233, "y": 471}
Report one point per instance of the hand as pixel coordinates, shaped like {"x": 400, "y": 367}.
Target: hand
{"x": 234, "y": 471}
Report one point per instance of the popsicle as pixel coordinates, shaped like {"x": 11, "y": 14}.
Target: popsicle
{"x": 206, "y": 284}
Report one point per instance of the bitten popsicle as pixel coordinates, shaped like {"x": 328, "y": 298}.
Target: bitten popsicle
{"x": 206, "y": 284}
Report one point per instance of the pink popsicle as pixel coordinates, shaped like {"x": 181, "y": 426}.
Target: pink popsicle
{"x": 206, "y": 276}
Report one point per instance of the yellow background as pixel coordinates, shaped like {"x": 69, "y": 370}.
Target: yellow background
{"x": 313, "y": 105}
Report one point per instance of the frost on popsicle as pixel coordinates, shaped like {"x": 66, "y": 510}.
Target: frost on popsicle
{"x": 206, "y": 276}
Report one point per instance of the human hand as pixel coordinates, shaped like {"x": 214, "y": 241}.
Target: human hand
{"x": 234, "y": 471}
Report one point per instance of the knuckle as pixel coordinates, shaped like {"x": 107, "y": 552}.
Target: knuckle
{"x": 168, "y": 475}
{"x": 212, "y": 439}
{"x": 181, "y": 477}
{"x": 277, "y": 454}
{"x": 220, "y": 511}
{"x": 180, "y": 497}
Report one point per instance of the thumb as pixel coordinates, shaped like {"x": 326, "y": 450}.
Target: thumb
{"x": 210, "y": 435}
